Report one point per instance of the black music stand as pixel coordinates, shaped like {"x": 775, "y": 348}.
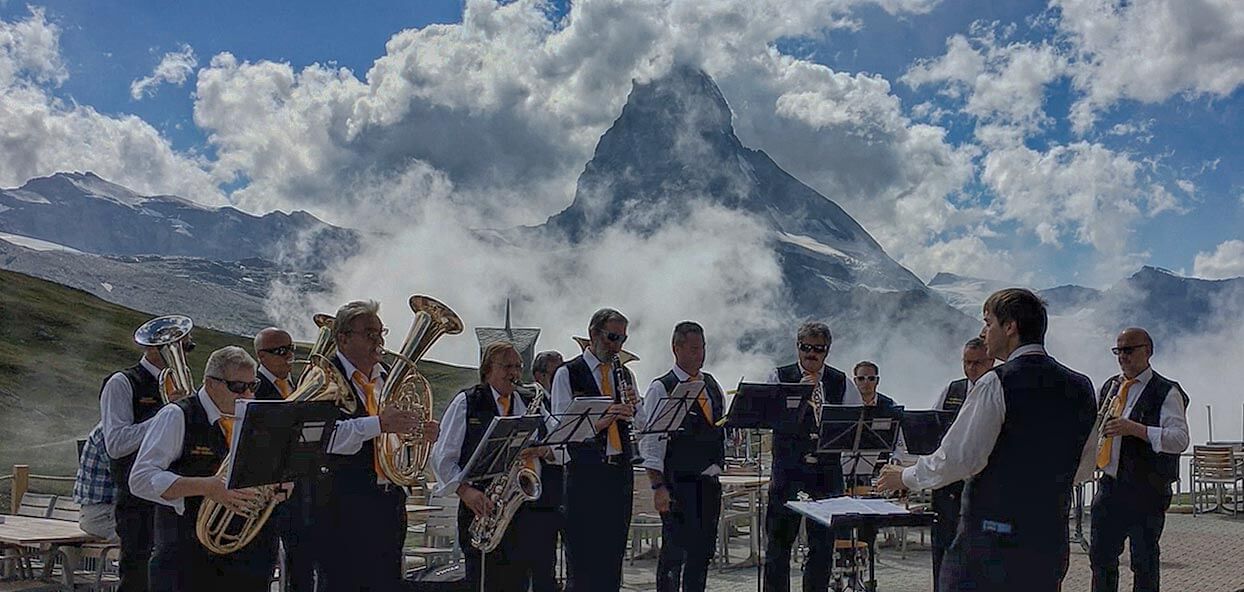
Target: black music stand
{"x": 674, "y": 408}
{"x": 780, "y": 407}
{"x": 504, "y": 440}
{"x": 923, "y": 430}
{"x": 578, "y": 422}
{"x": 279, "y": 441}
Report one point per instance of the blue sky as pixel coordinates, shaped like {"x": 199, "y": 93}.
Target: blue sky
{"x": 1175, "y": 184}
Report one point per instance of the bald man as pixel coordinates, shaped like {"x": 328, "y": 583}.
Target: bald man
{"x": 274, "y": 348}
{"x": 1138, "y": 459}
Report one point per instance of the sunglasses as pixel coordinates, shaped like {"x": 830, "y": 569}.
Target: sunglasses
{"x": 808, "y": 347}
{"x": 1127, "y": 349}
{"x": 281, "y": 350}
{"x": 615, "y": 337}
{"x": 868, "y": 378}
{"x": 238, "y": 386}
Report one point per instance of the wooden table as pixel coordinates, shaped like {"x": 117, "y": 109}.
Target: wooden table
{"x": 416, "y": 509}
{"x": 27, "y": 531}
{"x": 753, "y": 485}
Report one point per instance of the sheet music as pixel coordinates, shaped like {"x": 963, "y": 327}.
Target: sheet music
{"x": 823, "y": 511}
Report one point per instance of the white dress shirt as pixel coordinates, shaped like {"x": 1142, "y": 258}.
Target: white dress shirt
{"x": 349, "y": 435}
{"x": 652, "y": 446}
{"x": 1169, "y": 436}
{"x": 116, "y": 411}
{"x": 850, "y": 397}
{"x": 970, "y": 440}
{"x": 446, "y": 460}
{"x": 562, "y": 395}
{"x": 161, "y": 447}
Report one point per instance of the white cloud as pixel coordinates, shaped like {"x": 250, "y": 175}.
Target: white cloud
{"x": 1225, "y": 261}
{"x": 44, "y": 134}
{"x": 174, "y": 68}
{"x": 1151, "y": 50}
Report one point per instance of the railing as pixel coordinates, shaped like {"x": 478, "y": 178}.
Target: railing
{"x": 21, "y": 477}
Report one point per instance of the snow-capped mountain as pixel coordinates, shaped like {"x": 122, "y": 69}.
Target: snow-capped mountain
{"x": 965, "y": 293}
{"x": 90, "y": 214}
{"x": 673, "y": 148}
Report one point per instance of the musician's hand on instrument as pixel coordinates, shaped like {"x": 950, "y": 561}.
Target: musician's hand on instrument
{"x": 475, "y": 500}
{"x": 891, "y": 479}
{"x": 661, "y": 500}
{"x": 535, "y": 452}
{"x": 1123, "y": 426}
{"x": 431, "y": 431}
{"x": 397, "y": 421}
{"x": 238, "y": 500}
{"x": 621, "y": 411}
{"x": 283, "y": 491}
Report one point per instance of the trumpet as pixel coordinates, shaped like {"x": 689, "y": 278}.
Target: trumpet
{"x": 168, "y": 335}
{"x": 1105, "y": 414}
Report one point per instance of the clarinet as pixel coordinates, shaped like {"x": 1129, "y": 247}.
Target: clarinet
{"x": 622, "y": 384}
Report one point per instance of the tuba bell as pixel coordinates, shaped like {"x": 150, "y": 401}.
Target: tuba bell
{"x": 223, "y": 531}
{"x": 167, "y": 334}
{"x": 403, "y": 457}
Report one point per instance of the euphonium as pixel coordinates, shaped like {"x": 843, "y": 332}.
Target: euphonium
{"x": 323, "y": 346}
{"x": 403, "y": 457}
{"x": 224, "y": 531}
{"x": 508, "y": 492}
{"x": 167, "y": 334}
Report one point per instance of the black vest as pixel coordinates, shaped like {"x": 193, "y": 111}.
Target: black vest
{"x": 203, "y": 449}
{"x": 146, "y": 402}
{"x": 1026, "y": 484}
{"x": 956, "y": 394}
{"x": 353, "y": 473}
{"x": 791, "y": 451}
{"x": 481, "y": 408}
{"x": 1138, "y": 463}
{"x": 267, "y": 390}
{"x": 697, "y": 444}
{"x": 583, "y": 384}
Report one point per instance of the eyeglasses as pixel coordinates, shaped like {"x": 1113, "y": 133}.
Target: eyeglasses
{"x": 808, "y": 347}
{"x": 868, "y": 378}
{"x": 1127, "y": 349}
{"x": 374, "y": 335}
{"x": 615, "y": 337}
{"x": 238, "y": 386}
{"x": 280, "y": 350}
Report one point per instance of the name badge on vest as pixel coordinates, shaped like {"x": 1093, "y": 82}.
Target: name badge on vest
{"x": 146, "y": 400}
{"x": 201, "y": 451}
{"x": 474, "y": 421}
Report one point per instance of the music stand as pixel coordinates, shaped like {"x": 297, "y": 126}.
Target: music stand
{"x": 578, "y": 422}
{"x": 780, "y": 407}
{"x": 923, "y": 430}
{"x": 279, "y": 441}
{"x": 674, "y": 408}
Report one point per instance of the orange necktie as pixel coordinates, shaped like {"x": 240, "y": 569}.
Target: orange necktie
{"x": 226, "y": 426}
{"x": 373, "y": 408}
{"x": 606, "y": 388}
{"x": 1120, "y": 403}
{"x": 702, "y": 398}
{"x": 505, "y": 404}
{"x": 282, "y": 385}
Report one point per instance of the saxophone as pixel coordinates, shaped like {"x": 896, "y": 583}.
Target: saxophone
{"x": 508, "y": 492}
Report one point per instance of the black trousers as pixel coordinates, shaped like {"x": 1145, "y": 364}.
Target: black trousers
{"x": 546, "y": 522}
{"x": 360, "y": 539}
{"x": 187, "y": 566}
{"x": 946, "y": 502}
{"x": 982, "y": 561}
{"x": 688, "y": 533}
{"x": 598, "y": 519}
{"x": 505, "y": 569}
{"x": 135, "y": 527}
{"x": 1136, "y": 514}
{"x": 782, "y": 525}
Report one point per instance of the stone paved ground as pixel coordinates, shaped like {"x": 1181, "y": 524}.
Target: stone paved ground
{"x": 1201, "y": 554}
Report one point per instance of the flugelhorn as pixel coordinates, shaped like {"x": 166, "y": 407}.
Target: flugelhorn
{"x": 167, "y": 334}
{"x": 403, "y": 457}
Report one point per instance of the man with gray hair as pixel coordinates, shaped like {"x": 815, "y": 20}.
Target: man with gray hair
{"x": 946, "y": 500}
{"x": 798, "y": 467}
{"x": 177, "y": 468}
{"x": 364, "y": 507}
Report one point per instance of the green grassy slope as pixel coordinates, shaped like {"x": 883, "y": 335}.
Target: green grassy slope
{"x": 58, "y": 344}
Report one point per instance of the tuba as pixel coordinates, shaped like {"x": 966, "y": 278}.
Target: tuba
{"x": 508, "y": 492}
{"x": 223, "y": 531}
{"x": 403, "y": 457}
{"x": 167, "y": 334}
